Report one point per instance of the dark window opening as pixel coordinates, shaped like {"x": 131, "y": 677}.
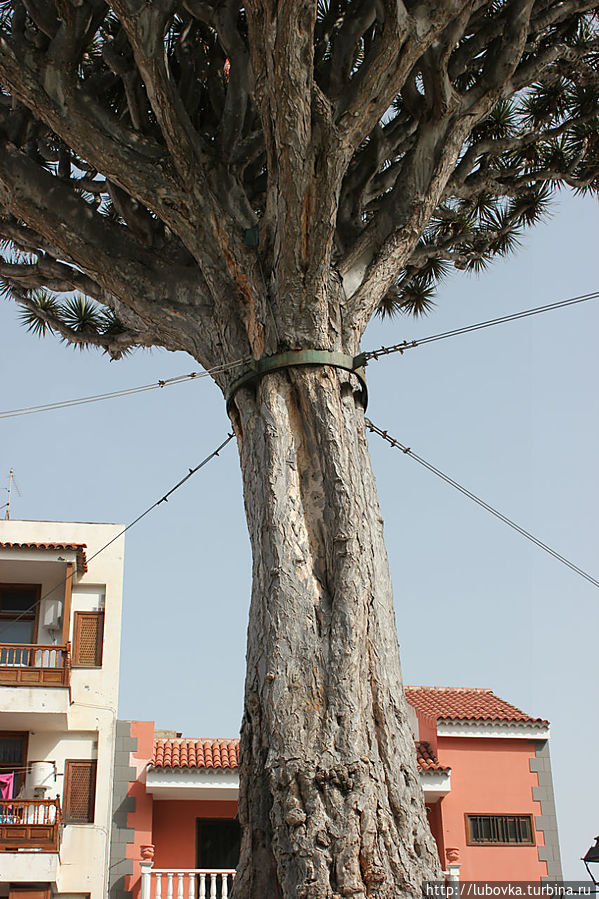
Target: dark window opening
{"x": 13, "y": 760}
{"x": 218, "y": 842}
{"x": 18, "y": 613}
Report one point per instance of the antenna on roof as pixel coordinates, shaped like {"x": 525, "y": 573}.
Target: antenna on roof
{"x": 11, "y": 483}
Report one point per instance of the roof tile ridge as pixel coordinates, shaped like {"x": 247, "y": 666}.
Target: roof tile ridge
{"x": 451, "y": 689}
{"x": 180, "y": 740}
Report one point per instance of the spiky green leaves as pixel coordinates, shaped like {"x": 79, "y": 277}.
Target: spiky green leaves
{"x": 465, "y": 236}
{"x": 411, "y": 296}
{"x": 37, "y": 317}
{"x": 76, "y": 320}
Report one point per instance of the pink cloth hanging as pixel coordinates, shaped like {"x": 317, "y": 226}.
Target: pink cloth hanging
{"x": 7, "y": 782}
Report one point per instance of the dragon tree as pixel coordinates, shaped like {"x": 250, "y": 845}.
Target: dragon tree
{"x": 250, "y": 182}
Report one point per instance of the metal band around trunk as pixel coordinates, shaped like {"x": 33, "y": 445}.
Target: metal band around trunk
{"x": 261, "y": 367}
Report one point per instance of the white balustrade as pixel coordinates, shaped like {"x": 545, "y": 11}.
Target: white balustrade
{"x": 212, "y": 883}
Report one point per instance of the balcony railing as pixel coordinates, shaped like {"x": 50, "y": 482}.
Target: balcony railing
{"x": 186, "y": 883}
{"x": 29, "y": 824}
{"x": 34, "y": 664}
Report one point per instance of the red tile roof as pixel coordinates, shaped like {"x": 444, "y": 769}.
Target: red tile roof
{"x": 426, "y": 758}
{"x": 465, "y": 704}
{"x": 196, "y": 754}
{"x": 185, "y": 753}
{"x": 79, "y": 548}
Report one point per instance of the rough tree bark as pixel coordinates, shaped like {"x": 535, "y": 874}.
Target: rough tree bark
{"x": 330, "y": 794}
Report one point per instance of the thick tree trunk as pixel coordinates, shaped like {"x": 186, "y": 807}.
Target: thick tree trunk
{"x": 330, "y": 800}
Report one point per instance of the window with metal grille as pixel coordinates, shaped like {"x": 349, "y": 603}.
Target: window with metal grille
{"x": 88, "y": 637}
{"x": 79, "y": 791}
{"x": 499, "y": 830}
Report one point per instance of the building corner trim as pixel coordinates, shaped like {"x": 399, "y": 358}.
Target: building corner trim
{"x": 547, "y": 820}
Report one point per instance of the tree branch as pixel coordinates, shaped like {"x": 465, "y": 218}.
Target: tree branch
{"x": 124, "y": 156}
{"x": 25, "y": 238}
{"x": 49, "y": 273}
{"x": 116, "y": 344}
{"x": 145, "y": 26}
{"x": 107, "y": 252}
{"x": 380, "y": 78}
{"x": 501, "y": 60}
{"x": 386, "y": 244}
{"x": 136, "y": 163}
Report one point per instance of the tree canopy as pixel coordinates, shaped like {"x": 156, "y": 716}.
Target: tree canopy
{"x": 213, "y": 161}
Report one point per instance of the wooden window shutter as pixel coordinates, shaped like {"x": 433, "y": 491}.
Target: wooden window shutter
{"x": 88, "y": 637}
{"x": 79, "y": 791}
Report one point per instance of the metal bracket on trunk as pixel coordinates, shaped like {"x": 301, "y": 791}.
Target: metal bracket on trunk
{"x": 261, "y": 367}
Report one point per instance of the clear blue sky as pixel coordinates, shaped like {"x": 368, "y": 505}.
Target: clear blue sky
{"x": 511, "y": 412}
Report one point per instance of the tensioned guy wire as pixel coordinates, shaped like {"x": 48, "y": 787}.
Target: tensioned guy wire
{"x": 515, "y": 316}
{"x": 163, "y": 499}
{"x": 552, "y": 552}
{"x": 363, "y": 357}
{"x": 128, "y": 391}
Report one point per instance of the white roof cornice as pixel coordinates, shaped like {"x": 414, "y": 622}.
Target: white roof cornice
{"x": 519, "y": 730}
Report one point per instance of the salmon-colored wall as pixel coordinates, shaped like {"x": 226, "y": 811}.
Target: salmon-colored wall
{"x": 174, "y": 828}
{"x": 141, "y": 819}
{"x": 435, "y": 821}
{"x": 490, "y": 776}
{"x": 427, "y": 730}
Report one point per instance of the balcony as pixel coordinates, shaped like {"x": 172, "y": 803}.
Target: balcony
{"x": 32, "y": 824}
{"x": 186, "y": 883}
{"x": 34, "y": 665}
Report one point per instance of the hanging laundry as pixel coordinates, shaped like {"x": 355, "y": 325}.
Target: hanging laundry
{"x": 7, "y": 783}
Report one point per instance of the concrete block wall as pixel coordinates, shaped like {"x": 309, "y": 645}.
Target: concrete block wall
{"x": 547, "y": 820}
{"x": 122, "y": 804}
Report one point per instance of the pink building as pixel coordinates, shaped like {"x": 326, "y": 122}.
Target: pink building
{"x": 495, "y": 814}
{"x": 485, "y": 774}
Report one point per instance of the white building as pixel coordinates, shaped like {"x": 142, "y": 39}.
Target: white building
{"x": 60, "y": 630}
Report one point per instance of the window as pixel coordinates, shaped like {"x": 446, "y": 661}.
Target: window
{"x": 217, "y": 842}
{"x": 13, "y": 760}
{"x": 79, "y": 791}
{"x": 18, "y": 615}
{"x": 499, "y": 830}
{"x": 88, "y": 637}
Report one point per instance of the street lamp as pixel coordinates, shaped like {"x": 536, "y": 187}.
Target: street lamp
{"x": 592, "y": 857}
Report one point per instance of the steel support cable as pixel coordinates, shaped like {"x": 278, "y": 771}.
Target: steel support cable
{"x": 163, "y": 499}
{"x": 360, "y": 360}
{"x": 448, "y": 480}
{"x": 515, "y": 316}
{"x": 128, "y": 391}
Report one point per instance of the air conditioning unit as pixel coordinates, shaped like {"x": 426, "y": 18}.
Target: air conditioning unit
{"x": 52, "y": 615}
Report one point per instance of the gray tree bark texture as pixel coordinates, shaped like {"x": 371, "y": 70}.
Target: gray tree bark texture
{"x": 242, "y": 178}
{"x": 330, "y": 794}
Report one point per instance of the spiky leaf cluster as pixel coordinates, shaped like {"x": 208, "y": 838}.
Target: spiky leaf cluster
{"x": 42, "y": 312}
{"x": 76, "y": 320}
